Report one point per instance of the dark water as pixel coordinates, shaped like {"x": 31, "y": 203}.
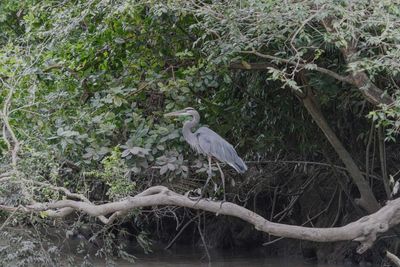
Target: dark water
{"x": 224, "y": 262}
{"x": 186, "y": 258}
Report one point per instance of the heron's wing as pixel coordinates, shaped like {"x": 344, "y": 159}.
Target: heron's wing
{"x": 214, "y": 145}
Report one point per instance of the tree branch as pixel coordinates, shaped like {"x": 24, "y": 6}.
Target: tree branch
{"x": 365, "y": 230}
{"x": 7, "y": 129}
{"x": 367, "y": 199}
{"x": 333, "y": 74}
{"x": 393, "y": 258}
{"x": 371, "y": 92}
{"x": 360, "y": 78}
{"x": 64, "y": 211}
{"x": 250, "y": 66}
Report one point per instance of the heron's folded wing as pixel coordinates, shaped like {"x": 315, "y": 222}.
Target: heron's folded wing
{"x": 214, "y": 145}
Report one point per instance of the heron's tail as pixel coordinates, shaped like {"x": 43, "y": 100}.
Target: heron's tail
{"x": 239, "y": 165}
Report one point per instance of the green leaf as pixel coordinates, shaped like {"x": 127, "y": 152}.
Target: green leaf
{"x": 163, "y": 169}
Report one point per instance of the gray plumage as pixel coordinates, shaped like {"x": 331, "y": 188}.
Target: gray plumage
{"x": 210, "y": 143}
{"x": 207, "y": 142}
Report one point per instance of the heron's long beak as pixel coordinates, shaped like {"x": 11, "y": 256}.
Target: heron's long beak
{"x": 176, "y": 113}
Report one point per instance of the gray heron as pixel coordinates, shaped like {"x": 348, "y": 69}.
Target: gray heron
{"x": 207, "y": 142}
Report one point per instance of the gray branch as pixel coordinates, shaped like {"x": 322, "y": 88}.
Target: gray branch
{"x": 364, "y": 230}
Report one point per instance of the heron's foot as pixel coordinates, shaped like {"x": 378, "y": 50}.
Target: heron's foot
{"x": 193, "y": 194}
{"x": 200, "y": 196}
{"x": 194, "y": 198}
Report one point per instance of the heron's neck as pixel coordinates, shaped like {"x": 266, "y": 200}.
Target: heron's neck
{"x": 187, "y": 128}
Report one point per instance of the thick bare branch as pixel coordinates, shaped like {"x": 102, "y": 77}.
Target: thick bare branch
{"x": 393, "y": 258}
{"x": 365, "y": 230}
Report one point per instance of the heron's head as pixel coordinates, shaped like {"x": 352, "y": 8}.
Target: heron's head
{"x": 184, "y": 112}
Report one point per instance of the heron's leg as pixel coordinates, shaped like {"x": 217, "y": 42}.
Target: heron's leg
{"x": 209, "y": 172}
{"x": 209, "y": 167}
{"x": 223, "y": 180}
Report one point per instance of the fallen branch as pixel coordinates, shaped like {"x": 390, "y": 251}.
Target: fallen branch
{"x": 393, "y": 258}
{"x": 365, "y": 230}
{"x": 61, "y": 212}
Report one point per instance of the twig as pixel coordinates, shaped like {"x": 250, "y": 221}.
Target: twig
{"x": 301, "y": 27}
{"x": 181, "y": 230}
{"x": 304, "y": 223}
{"x": 305, "y": 162}
{"x": 204, "y": 241}
{"x": 370, "y": 137}
{"x": 8, "y": 219}
{"x": 273, "y": 203}
{"x": 293, "y": 201}
{"x": 382, "y": 159}
{"x": 338, "y": 210}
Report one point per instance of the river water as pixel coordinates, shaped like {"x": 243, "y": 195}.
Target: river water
{"x": 186, "y": 258}
{"x": 223, "y": 262}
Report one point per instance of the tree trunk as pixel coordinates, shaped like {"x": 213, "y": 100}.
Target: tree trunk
{"x": 367, "y": 200}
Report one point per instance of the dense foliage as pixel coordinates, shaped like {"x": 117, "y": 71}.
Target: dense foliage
{"x": 85, "y": 84}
